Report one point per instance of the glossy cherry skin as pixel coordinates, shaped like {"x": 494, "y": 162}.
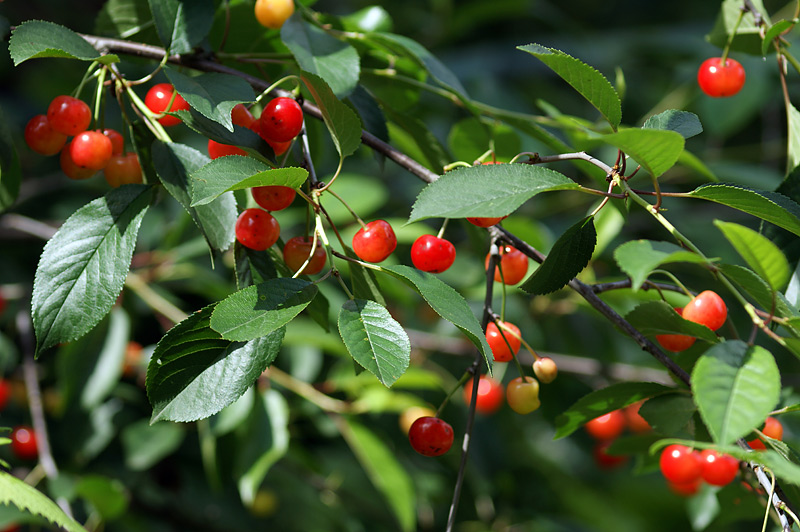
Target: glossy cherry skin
{"x": 718, "y": 469}
{"x": 278, "y": 147}
{"x": 706, "y": 308}
{"x": 605, "y": 460}
{"x": 257, "y": 229}
{"x": 281, "y": 120}
{"x": 69, "y": 115}
{"x": 431, "y": 436}
{"x": 772, "y": 429}
{"x": 157, "y": 99}
{"x": 72, "y": 170}
{"x": 23, "y": 443}
{"x": 375, "y": 241}
{"x": 241, "y": 116}
{"x": 217, "y": 149}
{"x": 91, "y": 149}
{"x": 42, "y": 138}
{"x": 273, "y": 13}
{"x": 680, "y": 464}
{"x": 297, "y": 250}
{"x": 490, "y": 395}
{"x": 432, "y": 254}
{"x": 545, "y": 369}
{"x": 513, "y": 265}
{"x": 523, "y": 397}
{"x": 635, "y": 421}
{"x": 273, "y": 197}
{"x": 496, "y": 341}
{"x": 117, "y": 142}
{"x": 486, "y": 222}
{"x": 720, "y": 80}
{"x": 606, "y": 427}
{"x": 123, "y": 170}
{"x": 676, "y": 342}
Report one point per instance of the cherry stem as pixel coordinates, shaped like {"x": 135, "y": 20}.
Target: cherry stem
{"x": 99, "y": 100}
{"x": 456, "y": 164}
{"x": 461, "y": 382}
{"x": 441, "y": 230}
{"x": 335, "y": 175}
{"x": 268, "y": 90}
{"x": 724, "y": 59}
{"x": 355, "y": 216}
{"x": 521, "y": 339}
{"x": 674, "y": 280}
{"x": 152, "y": 74}
{"x": 90, "y": 72}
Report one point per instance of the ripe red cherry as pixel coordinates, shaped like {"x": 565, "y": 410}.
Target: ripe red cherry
{"x": 676, "y": 342}
{"x": 720, "y": 80}
{"x": 485, "y": 222}
{"x": 297, "y": 250}
{"x": 545, "y": 369}
{"x": 91, "y": 149}
{"x": 605, "y": 460}
{"x": 281, "y": 120}
{"x": 157, "y": 99}
{"x": 430, "y": 436}
{"x": 241, "y": 116}
{"x": 685, "y": 489}
{"x": 273, "y": 197}
{"x": 635, "y": 421}
{"x": 375, "y": 241}
{"x": 523, "y": 396}
{"x": 708, "y": 309}
{"x": 500, "y": 349}
{"x": 718, "y": 469}
{"x": 513, "y": 264}
{"x": 680, "y": 464}
{"x": 217, "y": 150}
{"x": 278, "y": 147}
{"x": 72, "y": 170}
{"x": 5, "y": 393}
{"x": 23, "y": 443}
{"x": 490, "y": 395}
{"x": 42, "y": 138}
{"x": 117, "y": 142}
{"x": 123, "y": 170}
{"x": 432, "y": 254}
{"x": 608, "y": 426}
{"x": 69, "y": 115}
{"x": 257, "y": 229}
{"x": 772, "y": 429}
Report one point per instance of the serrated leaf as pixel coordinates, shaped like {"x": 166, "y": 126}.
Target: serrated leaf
{"x": 682, "y": 122}
{"x": 446, "y": 302}
{"x": 603, "y": 401}
{"x": 241, "y": 137}
{"x": 590, "y": 83}
{"x": 775, "y": 31}
{"x": 567, "y": 258}
{"x": 793, "y": 148}
{"x": 145, "y": 445}
{"x": 258, "y": 310}
{"x": 212, "y": 94}
{"x": 486, "y": 190}
{"x": 375, "y": 339}
{"x": 735, "y": 387}
{"x": 656, "y": 150}
{"x": 760, "y": 291}
{"x": 38, "y": 38}
{"x": 83, "y": 267}
{"x": 761, "y": 255}
{"x": 637, "y": 258}
{"x": 235, "y": 172}
{"x": 182, "y": 24}
{"x": 10, "y": 170}
{"x": 342, "y": 122}
{"x": 14, "y": 491}
{"x": 657, "y": 317}
{"x": 364, "y": 281}
{"x": 315, "y": 51}
{"x": 194, "y": 373}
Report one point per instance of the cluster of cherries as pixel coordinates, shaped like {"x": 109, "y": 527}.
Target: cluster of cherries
{"x": 89, "y": 150}
{"x": 608, "y": 427}
{"x": 706, "y": 308}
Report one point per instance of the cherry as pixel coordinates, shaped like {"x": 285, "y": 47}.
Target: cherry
{"x": 685, "y": 489}
{"x": 513, "y": 265}
{"x": 69, "y": 115}
{"x": 133, "y": 358}
{"x": 500, "y": 349}
{"x": 718, "y": 469}
{"x": 241, "y": 116}
{"x": 720, "y": 80}
{"x": 3, "y": 303}
{"x": 297, "y": 250}
{"x": 281, "y": 120}
{"x": 217, "y": 149}
{"x": 485, "y": 222}
{"x": 605, "y": 460}
{"x": 523, "y": 396}
{"x": 413, "y": 413}
{"x": 430, "y": 436}
{"x": 490, "y": 395}
{"x": 273, "y": 197}
{"x": 432, "y": 254}
{"x": 273, "y": 13}
{"x": 636, "y": 423}
{"x": 72, "y": 170}
{"x": 706, "y": 308}
{"x": 375, "y": 241}
{"x": 676, "y": 342}
{"x": 123, "y": 170}
{"x": 278, "y": 147}
{"x": 772, "y": 429}
{"x": 157, "y": 99}
{"x": 117, "y": 142}
{"x": 545, "y": 369}
{"x": 257, "y": 229}
{"x": 23, "y": 443}
{"x": 5, "y": 393}
{"x": 42, "y": 138}
{"x": 91, "y": 149}
{"x": 608, "y": 426}
{"x": 680, "y": 464}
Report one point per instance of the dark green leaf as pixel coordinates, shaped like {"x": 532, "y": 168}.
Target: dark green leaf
{"x": 10, "y": 170}
{"x": 212, "y": 94}
{"x": 343, "y": 124}
{"x": 683, "y": 122}
{"x": 668, "y": 414}
{"x": 242, "y": 137}
{"x": 320, "y": 311}
{"x": 15, "y": 492}
{"x": 656, "y": 150}
{"x": 365, "y": 284}
{"x": 470, "y": 138}
{"x": 759, "y": 290}
{"x": 423, "y": 139}
{"x": 657, "y": 317}
{"x": 145, "y": 445}
{"x": 637, "y": 258}
{"x": 107, "y": 496}
{"x": 37, "y": 38}
{"x": 236, "y": 172}
{"x": 124, "y": 18}
{"x": 370, "y": 112}
{"x": 761, "y": 255}
{"x": 182, "y": 24}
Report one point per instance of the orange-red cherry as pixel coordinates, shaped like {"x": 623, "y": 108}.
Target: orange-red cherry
{"x": 504, "y": 346}
{"x": 257, "y": 229}
{"x": 217, "y": 149}
{"x": 42, "y": 138}
{"x": 273, "y": 197}
{"x": 23, "y": 443}
{"x": 432, "y": 254}
{"x": 91, "y": 149}
{"x": 490, "y": 394}
{"x": 512, "y": 267}
{"x": 606, "y": 427}
{"x": 680, "y": 464}
{"x": 676, "y": 342}
{"x": 123, "y": 170}
{"x": 297, "y": 250}
{"x": 157, "y": 100}
{"x": 69, "y": 115}
{"x": 375, "y": 241}
{"x": 706, "y": 308}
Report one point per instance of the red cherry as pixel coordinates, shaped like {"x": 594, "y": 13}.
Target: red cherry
{"x": 772, "y": 429}
{"x": 257, "y": 229}
{"x": 241, "y": 116}
{"x": 676, "y": 342}
{"x": 718, "y": 469}
{"x": 273, "y": 197}
{"x": 513, "y": 264}
{"x": 490, "y": 395}
{"x": 432, "y": 254}
{"x": 42, "y": 138}
{"x": 430, "y": 436}
{"x": 606, "y": 427}
{"x": 496, "y": 341}
{"x": 281, "y": 120}
{"x": 545, "y": 369}
{"x": 708, "y": 309}
{"x": 157, "y": 99}
{"x": 5, "y": 393}
{"x": 117, "y": 142}
{"x": 23, "y": 443}
{"x": 278, "y": 147}
{"x": 605, "y": 460}
{"x": 523, "y": 396}
{"x": 720, "y": 80}
{"x": 72, "y": 170}
{"x": 69, "y": 115}
{"x": 680, "y": 464}
{"x": 375, "y": 241}
{"x": 685, "y": 489}
{"x": 217, "y": 149}
{"x": 123, "y": 170}
{"x": 91, "y": 149}
{"x": 636, "y": 423}
{"x": 296, "y": 252}
{"x": 485, "y": 222}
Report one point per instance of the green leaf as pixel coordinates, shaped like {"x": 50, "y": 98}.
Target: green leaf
{"x": 10, "y": 170}
{"x": 568, "y": 257}
{"x": 182, "y": 24}
{"x": 194, "y": 373}
{"x": 759, "y": 290}
{"x": 107, "y": 496}
{"x": 258, "y": 310}
{"x": 14, "y": 491}
{"x": 486, "y": 190}
{"x": 637, "y": 258}
{"x": 124, "y": 18}
{"x": 342, "y": 122}
{"x": 333, "y": 60}
{"x": 775, "y": 31}
{"x": 656, "y": 150}
{"x": 446, "y": 302}
{"x": 241, "y": 136}
{"x": 212, "y": 94}
{"x": 370, "y": 18}
{"x": 735, "y": 388}
{"x": 37, "y": 38}
{"x": 422, "y": 137}
{"x": 603, "y": 401}
{"x": 375, "y": 339}
{"x": 145, "y": 445}
{"x": 370, "y": 113}
{"x": 471, "y": 137}
{"x": 793, "y": 149}
{"x": 216, "y": 220}
{"x": 365, "y": 284}
{"x": 761, "y": 255}
{"x": 590, "y": 83}
{"x": 83, "y": 267}
{"x": 770, "y": 206}
{"x": 657, "y": 317}
{"x": 668, "y": 414}
{"x": 236, "y": 172}
{"x": 747, "y": 36}
{"x": 683, "y": 122}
